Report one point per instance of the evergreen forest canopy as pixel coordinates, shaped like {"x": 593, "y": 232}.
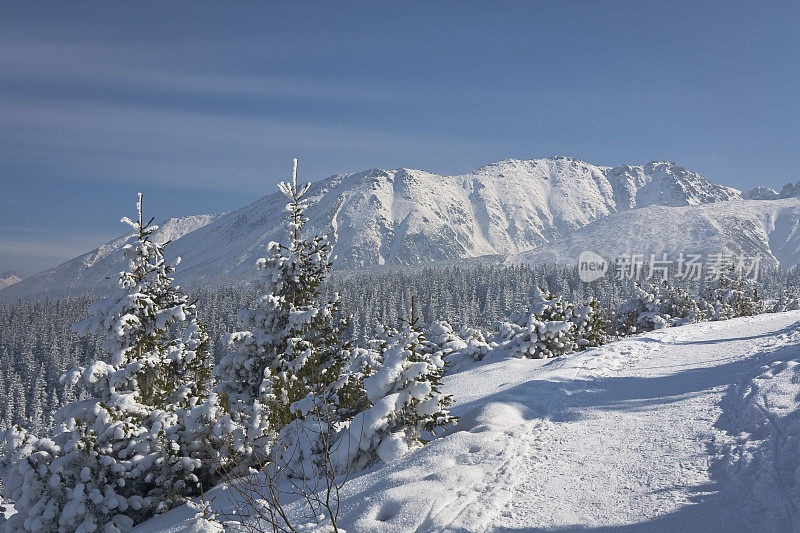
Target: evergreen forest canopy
{"x": 37, "y": 346}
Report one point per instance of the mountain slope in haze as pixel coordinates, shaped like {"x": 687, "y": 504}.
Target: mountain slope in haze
{"x": 770, "y": 229}
{"x": 9, "y": 278}
{"x": 405, "y": 216}
{"x": 102, "y": 265}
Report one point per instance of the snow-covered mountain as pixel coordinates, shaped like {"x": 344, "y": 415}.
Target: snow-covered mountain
{"x": 9, "y": 278}
{"x": 760, "y": 193}
{"x": 768, "y": 193}
{"x": 770, "y": 229}
{"x": 408, "y": 216}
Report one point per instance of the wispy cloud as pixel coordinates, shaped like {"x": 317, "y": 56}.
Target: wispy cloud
{"x": 192, "y": 148}
{"x": 112, "y": 67}
{"x": 126, "y": 113}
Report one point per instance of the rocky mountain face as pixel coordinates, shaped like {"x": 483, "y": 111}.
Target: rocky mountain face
{"x": 406, "y": 216}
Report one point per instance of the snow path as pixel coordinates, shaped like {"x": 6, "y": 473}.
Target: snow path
{"x": 693, "y": 428}
{"x": 635, "y": 445}
{"x": 632, "y": 446}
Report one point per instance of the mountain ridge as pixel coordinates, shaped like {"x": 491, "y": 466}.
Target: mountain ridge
{"x": 768, "y": 193}
{"x": 769, "y": 229}
{"x": 408, "y": 216}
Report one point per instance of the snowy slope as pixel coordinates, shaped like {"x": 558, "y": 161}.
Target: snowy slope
{"x": 102, "y": 265}
{"x": 770, "y": 228}
{"x": 411, "y": 216}
{"x": 693, "y": 428}
{"x": 9, "y": 278}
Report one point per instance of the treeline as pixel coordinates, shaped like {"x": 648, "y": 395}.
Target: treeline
{"x": 37, "y": 346}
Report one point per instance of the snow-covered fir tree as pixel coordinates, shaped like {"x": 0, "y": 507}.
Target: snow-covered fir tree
{"x": 406, "y": 403}
{"x": 730, "y": 295}
{"x": 442, "y": 339}
{"x": 291, "y": 345}
{"x": 591, "y": 325}
{"x": 787, "y": 300}
{"x": 477, "y": 345}
{"x": 459, "y": 348}
{"x": 656, "y": 306}
{"x": 551, "y": 327}
{"x": 125, "y": 451}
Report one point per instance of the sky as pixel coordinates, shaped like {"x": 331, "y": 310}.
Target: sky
{"x": 202, "y": 105}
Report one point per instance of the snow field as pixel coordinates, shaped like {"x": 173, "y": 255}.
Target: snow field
{"x": 692, "y": 428}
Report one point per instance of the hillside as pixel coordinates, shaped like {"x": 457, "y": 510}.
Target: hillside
{"x": 769, "y": 228}
{"x": 408, "y": 216}
{"x": 102, "y": 265}
{"x": 9, "y": 278}
{"x": 688, "y": 428}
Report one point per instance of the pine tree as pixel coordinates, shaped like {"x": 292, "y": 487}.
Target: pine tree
{"x": 730, "y": 296}
{"x": 552, "y": 326}
{"x": 543, "y": 330}
{"x": 10, "y": 408}
{"x": 38, "y": 402}
{"x": 406, "y": 399}
{"x": 16, "y": 393}
{"x": 291, "y": 346}
{"x": 591, "y": 325}
{"x": 788, "y": 300}
{"x": 136, "y": 321}
{"x": 124, "y": 452}
{"x": 656, "y": 306}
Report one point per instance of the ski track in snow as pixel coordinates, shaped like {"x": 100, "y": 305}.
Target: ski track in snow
{"x": 691, "y": 428}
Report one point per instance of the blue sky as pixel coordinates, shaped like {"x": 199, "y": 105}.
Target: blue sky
{"x": 202, "y": 105}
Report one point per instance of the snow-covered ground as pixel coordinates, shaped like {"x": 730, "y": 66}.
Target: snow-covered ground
{"x": 691, "y": 428}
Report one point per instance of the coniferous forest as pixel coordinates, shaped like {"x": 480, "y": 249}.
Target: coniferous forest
{"x": 37, "y": 344}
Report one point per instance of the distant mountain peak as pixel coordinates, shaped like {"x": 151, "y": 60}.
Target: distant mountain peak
{"x": 768, "y": 193}
{"x": 790, "y": 191}
{"x": 760, "y": 193}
